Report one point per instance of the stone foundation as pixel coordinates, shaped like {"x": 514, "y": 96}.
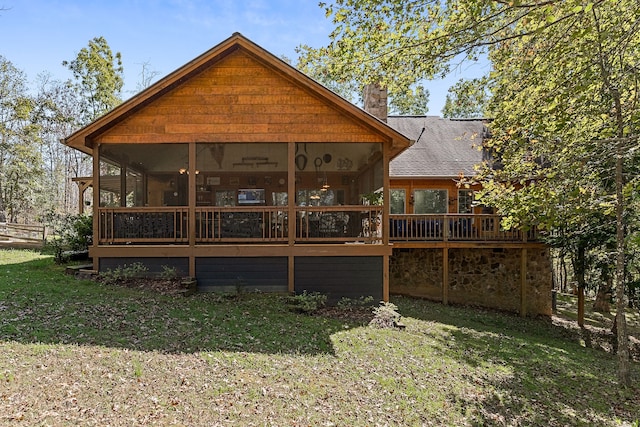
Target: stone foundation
{"x": 483, "y": 277}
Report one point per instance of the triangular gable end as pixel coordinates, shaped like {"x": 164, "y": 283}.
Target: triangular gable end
{"x": 236, "y": 92}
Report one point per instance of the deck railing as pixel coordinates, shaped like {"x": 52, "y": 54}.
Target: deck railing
{"x": 346, "y": 223}
{"x": 270, "y": 224}
{"x": 241, "y": 224}
{"x": 144, "y": 225}
{"x": 454, "y": 227}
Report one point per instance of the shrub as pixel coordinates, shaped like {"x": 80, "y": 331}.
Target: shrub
{"x": 307, "y": 302}
{"x": 168, "y": 273}
{"x": 346, "y": 303}
{"x": 386, "y": 316}
{"x": 111, "y": 276}
{"x": 70, "y": 233}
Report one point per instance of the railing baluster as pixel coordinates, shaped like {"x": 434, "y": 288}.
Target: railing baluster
{"x": 312, "y": 224}
{"x": 454, "y": 227}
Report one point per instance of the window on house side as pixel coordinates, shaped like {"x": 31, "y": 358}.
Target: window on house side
{"x": 398, "y": 198}
{"x": 465, "y": 201}
{"x": 430, "y": 201}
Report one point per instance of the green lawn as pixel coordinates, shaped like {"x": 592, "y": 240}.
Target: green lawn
{"x": 78, "y": 353}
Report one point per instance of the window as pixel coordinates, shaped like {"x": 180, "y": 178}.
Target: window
{"x": 398, "y": 198}
{"x": 430, "y": 201}
{"x": 465, "y": 201}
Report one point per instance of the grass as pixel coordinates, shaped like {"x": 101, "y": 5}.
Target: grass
{"x": 78, "y": 353}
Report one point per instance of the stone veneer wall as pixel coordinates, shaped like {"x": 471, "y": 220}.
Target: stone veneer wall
{"x": 483, "y": 277}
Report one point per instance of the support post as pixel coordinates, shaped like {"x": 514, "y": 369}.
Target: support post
{"x": 445, "y": 275}
{"x": 523, "y": 283}
{"x": 192, "y": 208}
{"x": 291, "y": 273}
{"x": 96, "y": 203}
{"x": 292, "y": 223}
{"x": 385, "y": 278}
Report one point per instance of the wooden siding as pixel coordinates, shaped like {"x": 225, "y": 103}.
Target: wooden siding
{"x": 154, "y": 264}
{"x": 223, "y": 274}
{"x": 350, "y": 277}
{"x": 239, "y": 99}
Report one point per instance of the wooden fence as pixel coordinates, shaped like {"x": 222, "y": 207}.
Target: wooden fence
{"x": 22, "y": 235}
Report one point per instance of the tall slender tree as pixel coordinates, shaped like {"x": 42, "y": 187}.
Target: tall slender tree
{"x": 20, "y": 162}
{"x": 97, "y": 78}
{"x": 57, "y": 109}
{"x": 97, "y": 85}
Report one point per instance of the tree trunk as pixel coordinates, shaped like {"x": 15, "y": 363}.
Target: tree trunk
{"x": 3, "y": 214}
{"x": 621, "y": 321}
{"x": 601, "y": 304}
{"x": 578, "y": 270}
{"x": 565, "y": 274}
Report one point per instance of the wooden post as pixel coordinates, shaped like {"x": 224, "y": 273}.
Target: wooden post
{"x": 291, "y": 284}
{"x": 386, "y": 201}
{"x": 445, "y": 228}
{"x": 385, "y": 278}
{"x": 81, "y": 198}
{"x": 445, "y": 275}
{"x": 292, "y": 223}
{"x": 192, "y": 208}
{"x": 523, "y": 282}
{"x": 96, "y": 203}
{"x": 123, "y": 184}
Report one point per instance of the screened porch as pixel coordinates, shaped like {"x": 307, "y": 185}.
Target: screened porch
{"x": 209, "y": 193}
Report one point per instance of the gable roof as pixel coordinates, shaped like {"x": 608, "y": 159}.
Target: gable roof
{"x": 124, "y": 115}
{"x": 444, "y": 148}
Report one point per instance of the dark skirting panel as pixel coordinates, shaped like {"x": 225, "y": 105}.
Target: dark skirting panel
{"x": 338, "y": 277}
{"x": 222, "y": 274}
{"x": 154, "y": 265}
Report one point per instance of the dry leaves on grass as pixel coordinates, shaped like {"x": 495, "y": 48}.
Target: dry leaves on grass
{"x": 595, "y": 337}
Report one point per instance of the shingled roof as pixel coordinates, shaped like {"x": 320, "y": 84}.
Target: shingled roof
{"x": 444, "y": 147}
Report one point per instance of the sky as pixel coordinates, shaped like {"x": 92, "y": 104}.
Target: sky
{"x": 37, "y": 35}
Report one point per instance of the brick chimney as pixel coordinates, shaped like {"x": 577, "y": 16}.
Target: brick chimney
{"x": 375, "y": 101}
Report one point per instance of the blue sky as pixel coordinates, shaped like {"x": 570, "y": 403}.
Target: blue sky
{"x": 37, "y": 35}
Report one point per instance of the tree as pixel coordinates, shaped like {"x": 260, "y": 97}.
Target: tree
{"x": 20, "y": 161}
{"x": 573, "y": 101}
{"x": 467, "y": 99}
{"x": 564, "y": 96}
{"x": 57, "y": 109}
{"x": 147, "y": 76}
{"x": 96, "y": 87}
{"x": 410, "y": 99}
{"x": 97, "y": 73}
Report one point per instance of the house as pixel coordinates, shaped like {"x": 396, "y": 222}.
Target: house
{"x": 425, "y": 178}
{"x": 239, "y": 170}
{"x": 445, "y": 246}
